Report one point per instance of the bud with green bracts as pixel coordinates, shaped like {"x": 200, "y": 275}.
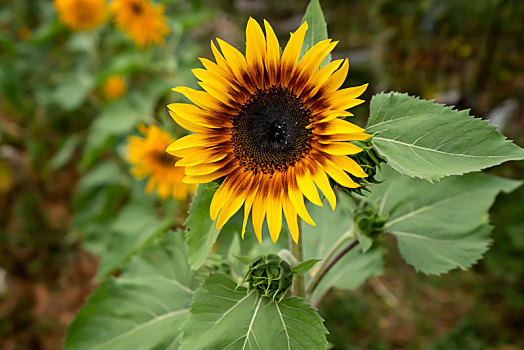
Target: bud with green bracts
{"x": 369, "y": 160}
{"x": 269, "y": 276}
{"x": 368, "y": 221}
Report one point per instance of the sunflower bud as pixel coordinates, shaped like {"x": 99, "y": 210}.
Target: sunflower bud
{"x": 369, "y": 160}
{"x": 368, "y": 221}
{"x": 270, "y": 276}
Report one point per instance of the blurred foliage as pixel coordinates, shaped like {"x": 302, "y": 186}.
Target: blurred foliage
{"x": 65, "y": 185}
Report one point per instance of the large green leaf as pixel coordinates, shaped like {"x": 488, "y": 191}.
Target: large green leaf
{"x": 144, "y": 308}
{"x": 354, "y": 268}
{"x": 136, "y": 224}
{"x": 73, "y": 90}
{"x": 226, "y": 317}
{"x": 201, "y": 232}
{"x": 422, "y": 139}
{"x": 439, "y": 226}
{"x": 317, "y": 28}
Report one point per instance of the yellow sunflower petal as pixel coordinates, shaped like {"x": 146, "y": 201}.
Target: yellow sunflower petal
{"x": 337, "y": 126}
{"x": 200, "y": 158}
{"x": 292, "y": 51}
{"x": 341, "y": 148}
{"x": 296, "y": 197}
{"x": 200, "y": 179}
{"x": 255, "y": 47}
{"x": 337, "y": 79}
{"x": 274, "y": 211}
{"x": 307, "y": 186}
{"x": 235, "y": 59}
{"x": 349, "y": 165}
{"x": 314, "y": 57}
{"x": 187, "y": 124}
{"x": 248, "y": 204}
{"x": 258, "y": 214}
{"x": 192, "y": 140}
{"x": 273, "y": 53}
{"x": 232, "y": 205}
{"x": 322, "y": 181}
{"x": 339, "y": 175}
{"x": 291, "y": 218}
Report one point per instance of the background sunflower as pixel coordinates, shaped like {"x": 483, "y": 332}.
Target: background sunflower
{"x": 149, "y": 159}
{"x": 141, "y": 20}
{"x": 81, "y": 14}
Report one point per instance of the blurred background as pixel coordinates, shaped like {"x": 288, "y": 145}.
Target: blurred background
{"x": 72, "y": 89}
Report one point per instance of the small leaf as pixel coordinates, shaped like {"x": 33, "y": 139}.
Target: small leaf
{"x": 144, "y": 308}
{"x": 201, "y": 232}
{"x": 243, "y": 259}
{"x": 439, "y": 226}
{"x": 365, "y": 243}
{"x": 422, "y": 139}
{"x": 305, "y": 266}
{"x": 65, "y": 152}
{"x": 317, "y": 28}
{"x": 224, "y": 316}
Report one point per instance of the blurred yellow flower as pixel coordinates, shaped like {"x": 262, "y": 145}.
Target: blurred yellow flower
{"x": 149, "y": 157}
{"x": 114, "y": 87}
{"x": 141, "y": 20}
{"x": 81, "y": 14}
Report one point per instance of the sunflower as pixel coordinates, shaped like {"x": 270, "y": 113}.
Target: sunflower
{"x": 114, "y": 87}
{"x": 271, "y": 125}
{"x": 81, "y": 14}
{"x": 141, "y": 20}
{"x": 149, "y": 157}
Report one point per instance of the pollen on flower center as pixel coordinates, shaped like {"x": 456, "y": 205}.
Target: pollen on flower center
{"x": 269, "y": 133}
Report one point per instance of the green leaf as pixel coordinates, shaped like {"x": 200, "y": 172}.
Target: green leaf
{"x": 136, "y": 225}
{"x": 355, "y": 267}
{"x": 223, "y": 316}
{"x": 73, "y": 90}
{"x": 439, "y": 226}
{"x": 201, "y": 232}
{"x": 144, "y": 308}
{"x": 317, "y": 28}
{"x": 422, "y": 139}
{"x": 65, "y": 152}
{"x": 305, "y": 266}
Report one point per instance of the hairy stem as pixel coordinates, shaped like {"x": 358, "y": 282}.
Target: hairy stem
{"x": 298, "y": 252}
{"x": 328, "y": 264}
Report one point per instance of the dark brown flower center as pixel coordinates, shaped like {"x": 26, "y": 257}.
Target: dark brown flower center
{"x": 165, "y": 159}
{"x": 269, "y": 133}
{"x": 136, "y": 7}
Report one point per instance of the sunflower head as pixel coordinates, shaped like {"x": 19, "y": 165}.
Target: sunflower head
{"x": 271, "y": 125}
{"x": 141, "y": 20}
{"x": 81, "y": 14}
{"x": 149, "y": 158}
{"x": 114, "y": 87}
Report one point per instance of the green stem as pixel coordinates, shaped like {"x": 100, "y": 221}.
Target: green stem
{"x": 326, "y": 263}
{"x": 298, "y": 252}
